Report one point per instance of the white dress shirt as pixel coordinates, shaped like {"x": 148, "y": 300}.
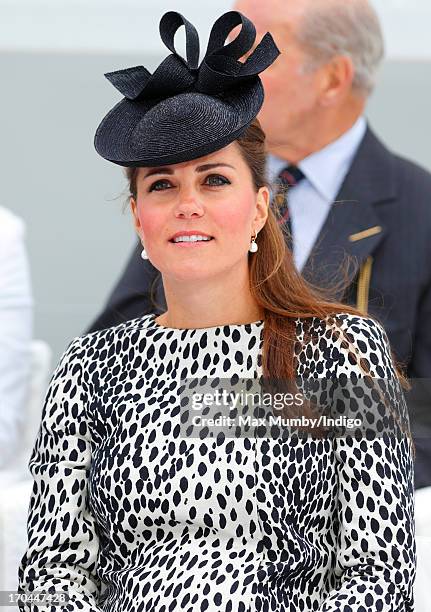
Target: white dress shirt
{"x": 311, "y": 199}
{"x": 16, "y": 309}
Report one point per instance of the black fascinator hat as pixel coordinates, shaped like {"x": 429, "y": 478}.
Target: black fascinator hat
{"x": 184, "y": 111}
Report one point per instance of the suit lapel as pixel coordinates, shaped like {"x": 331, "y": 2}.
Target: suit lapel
{"x": 353, "y": 227}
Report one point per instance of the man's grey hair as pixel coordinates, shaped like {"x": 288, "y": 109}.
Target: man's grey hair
{"x": 344, "y": 27}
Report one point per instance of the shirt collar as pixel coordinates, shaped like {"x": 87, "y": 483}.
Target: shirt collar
{"x": 327, "y": 168}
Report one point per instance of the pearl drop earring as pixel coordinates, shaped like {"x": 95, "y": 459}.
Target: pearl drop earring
{"x": 253, "y": 246}
{"x": 144, "y": 254}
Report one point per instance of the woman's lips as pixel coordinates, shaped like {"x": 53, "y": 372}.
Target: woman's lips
{"x": 190, "y": 244}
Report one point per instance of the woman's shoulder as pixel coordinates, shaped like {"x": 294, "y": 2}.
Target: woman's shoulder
{"x": 354, "y": 327}
{"x": 131, "y": 327}
{"x": 347, "y": 343}
{"x": 101, "y": 343}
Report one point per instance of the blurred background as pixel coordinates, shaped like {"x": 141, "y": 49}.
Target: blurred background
{"x": 53, "y": 54}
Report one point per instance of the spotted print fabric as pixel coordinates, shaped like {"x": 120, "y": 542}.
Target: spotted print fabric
{"x": 129, "y": 515}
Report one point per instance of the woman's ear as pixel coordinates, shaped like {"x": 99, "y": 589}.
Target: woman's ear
{"x": 262, "y": 207}
{"x": 136, "y": 221}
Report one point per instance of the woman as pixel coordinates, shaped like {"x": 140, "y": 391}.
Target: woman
{"x": 137, "y": 507}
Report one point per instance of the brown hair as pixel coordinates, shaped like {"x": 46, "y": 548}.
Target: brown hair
{"x": 281, "y": 291}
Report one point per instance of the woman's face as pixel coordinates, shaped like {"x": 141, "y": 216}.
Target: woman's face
{"x": 211, "y": 196}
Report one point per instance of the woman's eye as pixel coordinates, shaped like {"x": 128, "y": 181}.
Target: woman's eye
{"x": 217, "y": 179}
{"x": 214, "y": 180}
{"x": 159, "y": 185}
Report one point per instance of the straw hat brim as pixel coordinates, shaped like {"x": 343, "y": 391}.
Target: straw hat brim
{"x": 176, "y": 129}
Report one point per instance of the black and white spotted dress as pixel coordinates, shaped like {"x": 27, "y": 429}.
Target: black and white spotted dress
{"x": 128, "y": 515}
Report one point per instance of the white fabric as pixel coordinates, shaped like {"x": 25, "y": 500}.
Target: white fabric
{"x": 15, "y": 331}
{"x": 13, "y": 534}
{"x": 422, "y": 589}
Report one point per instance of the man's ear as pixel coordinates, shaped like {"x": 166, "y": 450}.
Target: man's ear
{"x": 337, "y": 78}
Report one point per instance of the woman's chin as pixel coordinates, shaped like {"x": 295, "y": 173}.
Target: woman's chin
{"x": 189, "y": 271}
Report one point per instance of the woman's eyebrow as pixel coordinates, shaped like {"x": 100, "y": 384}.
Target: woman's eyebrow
{"x": 211, "y": 166}
{"x": 204, "y": 168}
{"x": 158, "y": 170}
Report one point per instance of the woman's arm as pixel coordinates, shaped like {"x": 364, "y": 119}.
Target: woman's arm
{"x": 376, "y": 552}
{"x": 63, "y": 543}
{"x": 15, "y": 332}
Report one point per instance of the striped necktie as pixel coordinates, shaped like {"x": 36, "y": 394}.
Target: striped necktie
{"x": 287, "y": 179}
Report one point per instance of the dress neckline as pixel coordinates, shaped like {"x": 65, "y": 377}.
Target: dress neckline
{"x": 245, "y": 326}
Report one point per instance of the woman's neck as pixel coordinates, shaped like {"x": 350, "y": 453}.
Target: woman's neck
{"x": 208, "y": 303}
{"x": 179, "y": 320}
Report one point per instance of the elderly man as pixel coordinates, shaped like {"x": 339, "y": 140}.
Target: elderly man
{"x": 349, "y": 196}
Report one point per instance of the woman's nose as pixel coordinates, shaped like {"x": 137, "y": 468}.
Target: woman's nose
{"x": 188, "y": 201}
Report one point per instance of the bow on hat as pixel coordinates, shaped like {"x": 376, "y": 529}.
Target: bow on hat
{"x": 219, "y": 71}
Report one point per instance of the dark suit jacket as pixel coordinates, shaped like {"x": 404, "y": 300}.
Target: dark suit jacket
{"x": 382, "y": 219}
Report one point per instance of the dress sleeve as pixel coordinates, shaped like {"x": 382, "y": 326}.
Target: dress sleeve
{"x": 63, "y": 543}
{"x": 375, "y": 559}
